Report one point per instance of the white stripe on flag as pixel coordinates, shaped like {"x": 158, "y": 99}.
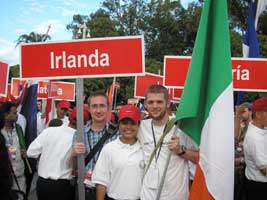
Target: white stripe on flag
{"x": 217, "y": 147}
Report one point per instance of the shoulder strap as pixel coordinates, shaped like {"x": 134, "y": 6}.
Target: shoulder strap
{"x": 14, "y": 175}
{"x": 169, "y": 126}
{"x": 112, "y": 129}
{"x": 20, "y": 136}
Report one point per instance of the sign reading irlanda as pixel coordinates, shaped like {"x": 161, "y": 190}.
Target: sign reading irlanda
{"x": 65, "y": 60}
{"x": 101, "y": 57}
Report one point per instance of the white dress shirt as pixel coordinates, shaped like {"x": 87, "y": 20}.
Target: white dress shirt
{"x": 255, "y": 149}
{"x": 54, "y": 147}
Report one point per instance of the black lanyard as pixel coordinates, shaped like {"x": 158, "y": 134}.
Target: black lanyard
{"x": 155, "y": 143}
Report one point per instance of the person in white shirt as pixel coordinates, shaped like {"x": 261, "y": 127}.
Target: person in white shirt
{"x": 54, "y": 148}
{"x": 255, "y": 148}
{"x": 40, "y": 118}
{"x": 62, "y": 110}
{"x": 120, "y": 166}
{"x": 176, "y": 184}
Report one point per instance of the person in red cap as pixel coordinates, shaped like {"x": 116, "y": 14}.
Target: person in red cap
{"x": 120, "y": 166}
{"x": 54, "y": 148}
{"x": 255, "y": 151}
{"x": 62, "y": 111}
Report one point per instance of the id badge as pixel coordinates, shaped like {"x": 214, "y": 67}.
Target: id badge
{"x": 88, "y": 179}
{"x": 153, "y": 178}
{"x": 13, "y": 151}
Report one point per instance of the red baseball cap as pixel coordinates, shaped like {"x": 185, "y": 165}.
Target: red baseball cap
{"x": 73, "y": 115}
{"x": 64, "y": 104}
{"x": 260, "y": 105}
{"x": 131, "y": 112}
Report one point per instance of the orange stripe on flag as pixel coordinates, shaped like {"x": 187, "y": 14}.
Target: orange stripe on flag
{"x": 199, "y": 188}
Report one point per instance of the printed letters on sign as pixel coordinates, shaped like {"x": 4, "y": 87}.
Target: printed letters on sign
{"x": 73, "y": 61}
{"x": 241, "y": 74}
{"x": 42, "y": 89}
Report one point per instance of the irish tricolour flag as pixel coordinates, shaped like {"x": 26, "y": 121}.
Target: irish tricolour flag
{"x": 206, "y": 109}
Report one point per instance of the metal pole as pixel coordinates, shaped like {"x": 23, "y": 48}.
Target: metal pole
{"x": 80, "y": 158}
{"x": 114, "y": 92}
{"x": 53, "y": 108}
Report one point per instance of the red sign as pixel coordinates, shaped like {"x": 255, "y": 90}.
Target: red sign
{"x": 175, "y": 94}
{"x": 100, "y": 57}
{"x": 59, "y": 90}
{"x": 3, "y": 78}
{"x": 143, "y": 82}
{"x": 43, "y": 87}
{"x": 62, "y": 90}
{"x": 16, "y": 86}
{"x": 249, "y": 74}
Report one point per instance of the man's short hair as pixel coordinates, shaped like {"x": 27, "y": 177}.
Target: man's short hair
{"x": 157, "y": 89}
{"x": 97, "y": 94}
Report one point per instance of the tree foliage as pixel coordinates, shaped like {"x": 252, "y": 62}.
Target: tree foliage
{"x": 167, "y": 26}
{"x": 33, "y": 37}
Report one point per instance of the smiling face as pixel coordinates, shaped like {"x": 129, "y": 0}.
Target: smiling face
{"x": 98, "y": 108}
{"x": 156, "y": 105}
{"x": 128, "y": 129}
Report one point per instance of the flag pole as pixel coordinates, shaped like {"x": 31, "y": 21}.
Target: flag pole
{"x": 165, "y": 168}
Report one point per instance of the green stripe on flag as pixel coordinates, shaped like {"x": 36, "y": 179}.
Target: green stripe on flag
{"x": 210, "y": 69}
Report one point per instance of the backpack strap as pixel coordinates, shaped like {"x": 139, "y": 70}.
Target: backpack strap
{"x": 109, "y": 132}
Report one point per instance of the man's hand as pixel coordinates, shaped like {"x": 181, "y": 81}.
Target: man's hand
{"x": 174, "y": 144}
{"x": 23, "y": 153}
{"x": 78, "y": 149}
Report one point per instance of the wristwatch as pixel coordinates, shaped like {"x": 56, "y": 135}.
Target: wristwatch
{"x": 183, "y": 148}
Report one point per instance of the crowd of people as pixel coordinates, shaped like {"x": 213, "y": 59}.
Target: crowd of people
{"x": 125, "y": 159}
